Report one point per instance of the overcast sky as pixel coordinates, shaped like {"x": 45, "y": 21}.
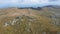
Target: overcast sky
{"x": 27, "y": 3}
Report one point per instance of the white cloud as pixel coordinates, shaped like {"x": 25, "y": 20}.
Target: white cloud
{"x": 41, "y": 1}
{"x": 44, "y": 1}
{"x": 27, "y": 2}
{"x": 24, "y": 1}
{"x": 8, "y": 1}
{"x": 14, "y": 1}
{"x": 3, "y": 2}
{"x": 34, "y": 1}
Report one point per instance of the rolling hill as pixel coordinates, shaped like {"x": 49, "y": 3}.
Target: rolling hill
{"x": 29, "y": 20}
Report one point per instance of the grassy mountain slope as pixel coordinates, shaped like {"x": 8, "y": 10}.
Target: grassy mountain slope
{"x": 28, "y": 21}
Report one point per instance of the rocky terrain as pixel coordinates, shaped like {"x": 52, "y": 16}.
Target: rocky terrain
{"x": 30, "y": 21}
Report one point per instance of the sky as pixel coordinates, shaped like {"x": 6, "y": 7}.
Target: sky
{"x": 27, "y": 3}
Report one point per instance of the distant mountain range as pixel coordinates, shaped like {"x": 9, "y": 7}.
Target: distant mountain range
{"x": 52, "y": 6}
{"x": 39, "y": 8}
